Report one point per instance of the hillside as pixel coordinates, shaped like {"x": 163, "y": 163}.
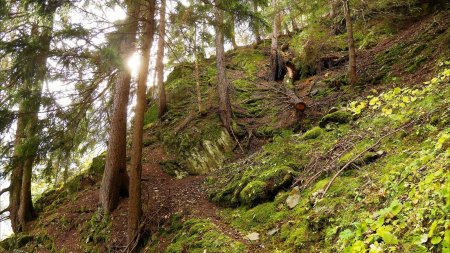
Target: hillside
{"x": 365, "y": 168}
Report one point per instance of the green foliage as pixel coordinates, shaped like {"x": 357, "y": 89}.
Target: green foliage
{"x": 151, "y": 115}
{"x": 95, "y": 232}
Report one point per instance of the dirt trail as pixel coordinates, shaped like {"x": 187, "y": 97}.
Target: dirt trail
{"x": 164, "y": 196}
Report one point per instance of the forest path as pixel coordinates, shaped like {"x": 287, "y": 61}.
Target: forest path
{"x": 164, "y": 196}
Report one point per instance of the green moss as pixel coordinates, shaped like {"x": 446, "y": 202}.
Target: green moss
{"x": 95, "y": 232}
{"x": 98, "y": 164}
{"x": 340, "y": 117}
{"x": 253, "y": 193}
{"x": 277, "y": 177}
{"x": 249, "y": 60}
{"x": 151, "y": 115}
{"x": 313, "y": 133}
{"x": 198, "y": 236}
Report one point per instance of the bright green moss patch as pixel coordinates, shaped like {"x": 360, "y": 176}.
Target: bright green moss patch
{"x": 313, "y": 133}
{"x": 198, "y": 236}
{"x": 254, "y": 192}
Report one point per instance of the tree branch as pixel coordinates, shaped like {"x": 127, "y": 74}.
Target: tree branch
{"x": 5, "y": 190}
{"x": 4, "y": 210}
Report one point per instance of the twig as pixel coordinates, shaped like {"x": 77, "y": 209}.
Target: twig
{"x": 362, "y": 153}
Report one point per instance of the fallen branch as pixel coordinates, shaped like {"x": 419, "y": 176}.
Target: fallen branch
{"x": 362, "y": 153}
{"x": 185, "y": 122}
{"x": 5, "y": 190}
{"x": 292, "y": 98}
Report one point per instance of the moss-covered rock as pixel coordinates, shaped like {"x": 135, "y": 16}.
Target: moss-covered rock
{"x": 277, "y": 177}
{"x": 339, "y": 117}
{"x": 173, "y": 168}
{"x": 98, "y": 164}
{"x": 313, "y": 133}
{"x": 254, "y": 192}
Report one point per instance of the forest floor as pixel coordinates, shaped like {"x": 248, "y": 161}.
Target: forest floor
{"x": 165, "y": 196}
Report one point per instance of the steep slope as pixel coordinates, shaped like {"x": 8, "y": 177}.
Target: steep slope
{"x": 370, "y": 161}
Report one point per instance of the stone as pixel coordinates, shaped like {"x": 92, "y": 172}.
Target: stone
{"x": 293, "y": 198}
{"x": 252, "y": 236}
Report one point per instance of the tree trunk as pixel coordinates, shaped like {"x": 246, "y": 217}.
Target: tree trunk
{"x": 17, "y": 173}
{"x": 134, "y": 202}
{"x": 223, "y": 88}
{"x": 159, "y": 60}
{"x": 274, "y": 56}
{"x": 233, "y": 33}
{"x": 353, "y": 77}
{"x": 256, "y": 25}
{"x": 115, "y": 178}
{"x": 197, "y": 75}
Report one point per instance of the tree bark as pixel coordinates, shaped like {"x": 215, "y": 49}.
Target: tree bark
{"x": 233, "y": 33}
{"x": 115, "y": 178}
{"x": 17, "y": 173}
{"x": 274, "y": 56}
{"x": 134, "y": 203}
{"x": 197, "y": 74}
{"x": 159, "y": 60}
{"x": 353, "y": 77}
{"x": 256, "y": 25}
{"x": 223, "y": 88}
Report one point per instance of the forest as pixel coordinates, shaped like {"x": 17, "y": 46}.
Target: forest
{"x": 176, "y": 126}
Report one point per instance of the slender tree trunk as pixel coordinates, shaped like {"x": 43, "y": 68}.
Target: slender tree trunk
{"x": 197, "y": 75}
{"x": 233, "y": 32}
{"x": 353, "y": 77}
{"x": 134, "y": 202}
{"x": 115, "y": 178}
{"x": 223, "y": 88}
{"x": 256, "y": 25}
{"x": 17, "y": 173}
{"x": 159, "y": 60}
{"x": 274, "y": 56}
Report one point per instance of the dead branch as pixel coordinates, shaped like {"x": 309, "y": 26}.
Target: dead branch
{"x": 362, "y": 153}
{"x": 291, "y": 98}
{"x": 185, "y": 122}
{"x": 5, "y": 190}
